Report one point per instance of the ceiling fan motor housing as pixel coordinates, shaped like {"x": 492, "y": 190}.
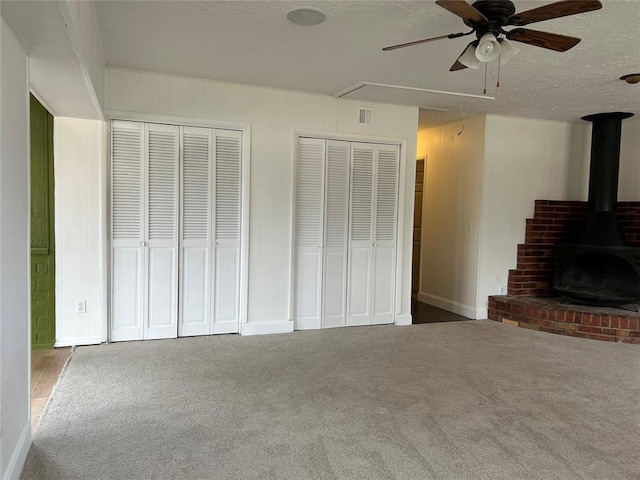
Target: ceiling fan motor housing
{"x": 498, "y": 12}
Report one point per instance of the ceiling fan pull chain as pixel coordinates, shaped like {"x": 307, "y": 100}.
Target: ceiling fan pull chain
{"x": 484, "y": 91}
{"x": 499, "y": 62}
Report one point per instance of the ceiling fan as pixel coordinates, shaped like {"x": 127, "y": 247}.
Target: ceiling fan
{"x": 487, "y": 19}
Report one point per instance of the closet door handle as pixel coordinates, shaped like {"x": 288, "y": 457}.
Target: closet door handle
{"x": 143, "y": 244}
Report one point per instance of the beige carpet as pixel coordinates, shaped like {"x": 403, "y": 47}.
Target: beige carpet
{"x": 464, "y": 400}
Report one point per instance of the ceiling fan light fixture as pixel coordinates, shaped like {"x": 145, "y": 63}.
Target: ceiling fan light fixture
{"x": 488, "y": 48}
{"x": 507, "y": 51}
{"x": 468, "y": 57}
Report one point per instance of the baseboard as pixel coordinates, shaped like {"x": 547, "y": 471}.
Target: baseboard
{"x": 72, "y": 342}
{"x": 482, "y": 313}
{"x": 448, "y": 305}
{"x": 16, "y": 463}
{"x": 266, "y": 328}
{"x": 403, "y": 319}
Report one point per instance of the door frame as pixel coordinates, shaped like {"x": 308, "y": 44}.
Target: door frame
{"x": 423, "y": 159}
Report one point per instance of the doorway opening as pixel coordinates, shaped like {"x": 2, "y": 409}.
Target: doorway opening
{"x": 417, "y": 226}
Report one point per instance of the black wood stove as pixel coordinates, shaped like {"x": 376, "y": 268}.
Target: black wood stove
{"x": 600, "y": 269}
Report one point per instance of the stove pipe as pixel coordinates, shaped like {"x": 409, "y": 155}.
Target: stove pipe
{"x": 601, "y": 225}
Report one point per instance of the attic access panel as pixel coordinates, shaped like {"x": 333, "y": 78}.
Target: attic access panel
{"x": 416, "y": 97}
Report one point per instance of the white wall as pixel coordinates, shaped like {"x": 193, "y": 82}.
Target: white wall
{"x": 629, "y": 181}
{"x": 14, "y": 256}
{"x": 275, "y": 116}
{"x": 451, "y": 215}
{"x": 524, "y": 160}
{"x": 80, "y": 166}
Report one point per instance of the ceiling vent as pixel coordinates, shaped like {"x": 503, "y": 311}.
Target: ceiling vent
{"x": 365, "y": 116}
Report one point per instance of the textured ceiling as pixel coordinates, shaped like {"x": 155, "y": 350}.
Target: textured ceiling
{"x": 251, "y": 42}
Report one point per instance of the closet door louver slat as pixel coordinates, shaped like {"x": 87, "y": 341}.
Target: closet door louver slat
{"x": 337, "y": 193}
{"x": 227, "y": 186}
{"x": 310, "y": 192}
{"x": 195, "y": 185}
{"x": 361, "y": 192}
{"x": 127, "y": 183}
{"x": 163, "y": 161}
{"x": 386, "y": 195}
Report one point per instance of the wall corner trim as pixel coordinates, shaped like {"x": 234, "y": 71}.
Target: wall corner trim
{"x": 449, "y": 305}
{"x": 16, "y": 463}
{"x": 267, "y": 328}
{"x": 403, "y": 319}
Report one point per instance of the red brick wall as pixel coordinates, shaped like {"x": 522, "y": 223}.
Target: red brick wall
{"x": 555, "y": 222}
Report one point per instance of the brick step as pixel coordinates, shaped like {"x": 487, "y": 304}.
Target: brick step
{"x": 549, "y": 315}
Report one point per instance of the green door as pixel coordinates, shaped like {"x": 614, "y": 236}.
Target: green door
{"x": 43, "y": 330}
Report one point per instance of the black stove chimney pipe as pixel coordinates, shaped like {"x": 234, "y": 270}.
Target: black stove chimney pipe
{"x": 601, "y": 225}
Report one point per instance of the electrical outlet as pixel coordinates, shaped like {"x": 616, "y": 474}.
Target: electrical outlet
{"x": 81, "y": 306}
{"x": 503, "y": 290}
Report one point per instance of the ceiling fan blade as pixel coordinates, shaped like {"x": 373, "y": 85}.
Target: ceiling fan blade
{"x": 457, "y": 65}
{"x": 552, "y": 41}
{"x": 462, "y": 9}
{"x": 418, "y": 42}
{"x": 554, "y": 10}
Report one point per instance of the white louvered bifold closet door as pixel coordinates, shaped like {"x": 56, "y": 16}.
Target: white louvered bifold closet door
{"x": 211, "y": 183}
{"x": 336, "y": 218}
{"x": 176, "y": 216}
{"x": 309, "y": 228}
{"x": 384, "y": 242}
{"x": 127, "y": 232}
{"x": 361, "y": 234}
{"x": 162, "y": 232}
{"x": 226, "y": 222}
{"x": 196, "y": 246}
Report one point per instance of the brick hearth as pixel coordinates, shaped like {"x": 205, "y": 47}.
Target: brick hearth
{"x": 530, "y": 301}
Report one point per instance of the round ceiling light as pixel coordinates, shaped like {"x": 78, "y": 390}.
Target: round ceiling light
{"x": 631, "y": 78}
{"x": 306, "y": 16}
